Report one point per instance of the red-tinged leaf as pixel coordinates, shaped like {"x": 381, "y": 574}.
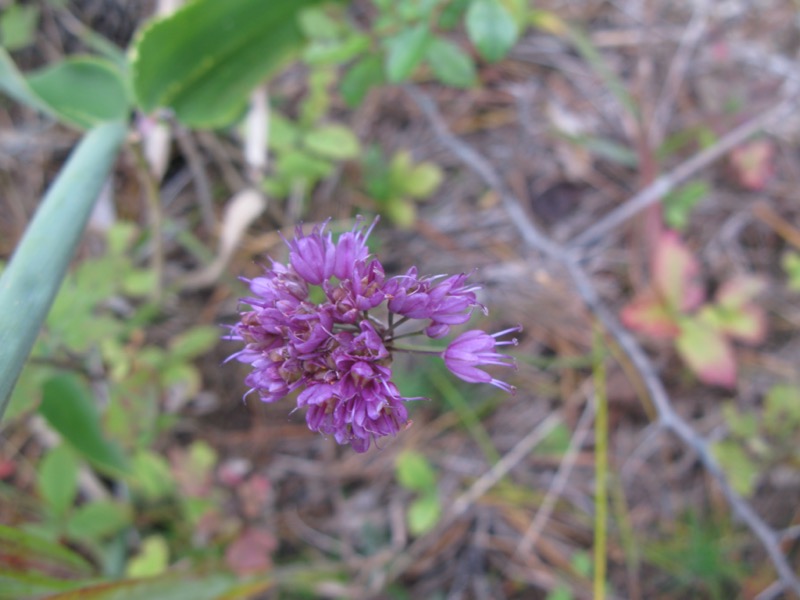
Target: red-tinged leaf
{"x": 752, "y": 163}
{"x": 676, "y": 274}
{"x": 708, "y": 354}
{"x": 747, "y": 324}
{"x": 739, "y": 290}
{"x": 646, "y": 314}
{"x": 251, "y": 552}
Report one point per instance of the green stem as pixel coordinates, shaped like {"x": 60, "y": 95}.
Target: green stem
{"x": 601, "y": 470}
{"x": 32, "y": 278}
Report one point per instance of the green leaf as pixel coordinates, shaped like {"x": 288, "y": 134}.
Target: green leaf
{"x": 151, "y": 560}
{"x": 707, "y": 353}
{"x": 299, "y": 165}
{"x": 491, "y": 28}
{"x": 451, "y": 65}
{"x": 423, "y": 514}
{"x": 423, "y": 180}
{"x": 58, "y": 479}
{"x": 152, "y": 476}
{"x": 18, "y": 26}
{"x": 414, "y": 472}
{"x": 791, "y": 265}
{"x": 173, "y": 586}
{"x": 742, "y": 472}
{"x": 69, "y": 408}
{"x": 452, "y": 12}
{"x": 405, "y": 51}
{"x": 15, "y": 584}
{"x": 679, "y": 203}
{"x": 205, "y": 59}
{"x": 21, "y": 550}
{"x": 32, "y": 278}
{"x": 333, "y": 141}
{"x": 13, "y": 83}
{"x": 82, "y": 91}
{"x": 363, "y": 75}
{"x": 98, "y": 520}
{"x": 782, "y": 409}
{"x": 194, "y": 342}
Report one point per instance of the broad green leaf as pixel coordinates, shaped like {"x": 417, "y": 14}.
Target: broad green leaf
{"x": 317, "y": 24}
{"x": 22, "y": 551}
{"x": 333, "y": 141}
{"x": 423, "y": 180}
{"x": 423, "y": 514}
{"x": 98, "y": 520}
{"x": 401, "y": 211}
{"x": 329, "y": 53}
{"x": 707, "y": 353}
{"x": 194, "y": 342}
{"x": 299, "y": 165}
{"x": 363, "y": 75}
{"x": 18, "y": 26}
{"x": 152, "y": 476}
{"x": 69, "y": 408}
{"x": 791, "y": 265}
{"x": 205, "y": 59}
{"x": 491, "y": 28}
{"x": 151, "y": 560}
{"x": 414, "y": 472}
{"x": 782, "y": 409}
{"x": 283, "y": 133}
{"x": 742, "y": 425}
{"x": 452, "y": 12}
{"x": 742, "y": 472}
{"x": 676, "y": 274}
{"x": 82, "y": 91}
{"x": 58, "y": 479}
{"x": 405, "y": 51}
{"x": 451, "y": 65}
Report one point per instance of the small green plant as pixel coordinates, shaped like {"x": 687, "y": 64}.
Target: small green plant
{"x": 396, "y": 185}
{"x": 758, "y": 443}
{"x": 415, "y": 473}
{"x": 674, "y": 308}
{"x": 791, "y": 265}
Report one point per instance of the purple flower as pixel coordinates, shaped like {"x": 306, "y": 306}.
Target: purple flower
{"x": 476, "y": 348}
{"x": 337, "y": 354}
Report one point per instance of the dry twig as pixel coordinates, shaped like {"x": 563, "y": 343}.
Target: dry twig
{"x": 668, "y": 418}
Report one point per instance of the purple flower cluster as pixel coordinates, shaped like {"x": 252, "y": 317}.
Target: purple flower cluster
{"x": 310, "y": 329}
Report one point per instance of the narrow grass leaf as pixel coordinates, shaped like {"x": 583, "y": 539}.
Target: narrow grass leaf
{"x": 32, "y": 278}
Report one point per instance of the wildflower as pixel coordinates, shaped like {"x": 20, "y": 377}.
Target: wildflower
{"x": 475, "y": 348}
{"x": 334, "y": 352}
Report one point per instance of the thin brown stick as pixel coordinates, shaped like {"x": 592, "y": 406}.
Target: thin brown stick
{"x": 662, "y": 186}
{"x": 668, "y": 418}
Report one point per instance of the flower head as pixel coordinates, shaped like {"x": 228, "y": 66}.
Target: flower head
{"x": 338, "y": 355}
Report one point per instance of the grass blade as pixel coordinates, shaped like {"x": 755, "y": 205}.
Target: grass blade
{"x": 32, "y": 278}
